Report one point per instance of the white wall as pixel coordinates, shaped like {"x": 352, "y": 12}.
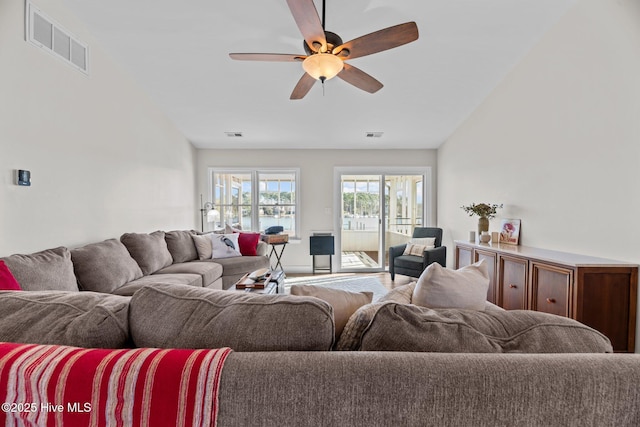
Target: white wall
{"x": 558, "y": 141}
{"x": 104, "y": 160}
{"x": 316, "y": 182}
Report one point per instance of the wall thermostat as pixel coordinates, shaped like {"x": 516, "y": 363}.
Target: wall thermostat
{"x": 24, "y": 177}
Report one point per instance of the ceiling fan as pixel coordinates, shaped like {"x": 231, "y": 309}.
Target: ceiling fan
{"x": 326, "y": 52}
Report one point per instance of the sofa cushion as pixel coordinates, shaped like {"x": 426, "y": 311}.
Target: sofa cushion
{"x": 7, "y": 281}
{"x": 48, "y": 270}
{"x": 104, "y": 266}
{"x": 181, "y": 246}
{"x": 241, "y": 265}
{"x": 205, "y": 318}
{"x": 149, "y": 250}
{"x": 208, "y": 270}
{"x": 203, "y": 246}
{"x": 159, "y": 279}
{"x": 84, "y": 319}
{"x": 439, "y": 287}
{"x": 401, "y": 327}
{"x": 344, "y": 303}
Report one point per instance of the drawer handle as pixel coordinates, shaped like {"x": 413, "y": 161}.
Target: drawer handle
{"x": 551, "y": 300}
{"x": 512, "y": 286}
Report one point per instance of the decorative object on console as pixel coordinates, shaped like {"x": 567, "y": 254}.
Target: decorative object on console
{"x": 466, "y": 288}
{"x": 472, "y": 236}
{"x": 495, "y": 237}
{"x": 485, "y": 211}
{"x": 485, "y": 237}
{"x": 510, "y": 231}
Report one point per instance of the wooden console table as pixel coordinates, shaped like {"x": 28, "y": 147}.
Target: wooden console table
{"x": 600, "y": 293}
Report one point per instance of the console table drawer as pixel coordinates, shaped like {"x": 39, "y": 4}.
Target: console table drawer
{"x": 551, "y": 289}
{"x": 512, "y": 287}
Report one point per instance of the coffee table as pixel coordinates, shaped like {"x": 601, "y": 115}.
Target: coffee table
{"x": 275, "y": 285}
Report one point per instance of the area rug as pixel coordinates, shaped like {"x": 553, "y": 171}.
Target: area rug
{"x": 349, "y": 283}
{"x": 357, "y": 260}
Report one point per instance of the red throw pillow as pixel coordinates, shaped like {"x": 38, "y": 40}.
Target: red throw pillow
{"x": 7, "y": 281}
{"x": 248, "y": 243}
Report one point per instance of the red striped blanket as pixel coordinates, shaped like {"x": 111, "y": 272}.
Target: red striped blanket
{"x": 51, "y": 385}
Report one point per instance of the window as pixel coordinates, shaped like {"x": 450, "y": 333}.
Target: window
{"x": 255, "y": 199}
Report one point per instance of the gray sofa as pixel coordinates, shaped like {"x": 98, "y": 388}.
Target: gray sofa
{"x": 393, "y": 364}
{"x": 122, "y": 266}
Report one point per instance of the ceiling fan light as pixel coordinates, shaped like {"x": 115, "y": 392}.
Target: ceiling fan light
{"x": 322, "y": 65}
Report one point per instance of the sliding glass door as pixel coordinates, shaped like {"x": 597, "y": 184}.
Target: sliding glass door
{"x": 361, "y": 222}
{"x": 377, "y": 211}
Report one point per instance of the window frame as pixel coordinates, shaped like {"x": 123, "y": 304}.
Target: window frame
{"x": 255, "y": 191}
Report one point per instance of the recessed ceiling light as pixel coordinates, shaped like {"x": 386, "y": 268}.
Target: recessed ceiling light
{"x": 374, "y": 134}
{"x": 234, "y": 134}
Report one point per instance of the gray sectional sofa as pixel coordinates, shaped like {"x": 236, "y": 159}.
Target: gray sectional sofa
{"x": 393, "y": 364}
{"x": 123, "y": 266}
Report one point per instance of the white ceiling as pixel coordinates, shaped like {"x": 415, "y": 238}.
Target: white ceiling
{"x": 177, "y": 51}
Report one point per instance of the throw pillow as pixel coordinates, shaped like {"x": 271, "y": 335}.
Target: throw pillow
{"x": 149, "y": 250}
{"x": 48, "y": 270}
{"x": 439, "y": 287}
{"x": 248, "y": 243}
{"x": 7, "y": 281}
{"x": 412, "y": 249}
{"x": 344, "y": 303}
{"x": 104, "y": 266}
{"x": 203, "y": 245}
{"x": 224, "y": 246}
{"x": 180, "y": 245}
{"x": 428, "y": 242}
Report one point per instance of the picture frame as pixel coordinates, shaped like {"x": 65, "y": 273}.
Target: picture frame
{"x": 510, "y": 231}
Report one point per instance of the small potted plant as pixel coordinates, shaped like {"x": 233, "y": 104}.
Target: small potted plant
{"x": 485, "y": 212}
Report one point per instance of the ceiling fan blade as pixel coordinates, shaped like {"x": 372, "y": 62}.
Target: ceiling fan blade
{"x": 303, "y": 87}
{"x": 276, "y": 57}
{"x": 359, "y": 79}
{"x": 378, "y": 41}
{"x": 306, "y": 16}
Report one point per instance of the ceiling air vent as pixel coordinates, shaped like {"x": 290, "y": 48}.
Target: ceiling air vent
{"x": 374, "y": 134}
{"x": 234, "y": 134}
{"x": 51, "y": 37}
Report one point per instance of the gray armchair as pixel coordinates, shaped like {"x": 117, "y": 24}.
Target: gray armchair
{"x": 412, "y": 265}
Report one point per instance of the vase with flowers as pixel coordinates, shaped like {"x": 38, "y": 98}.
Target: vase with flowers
{"x": 485, "y": 212}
